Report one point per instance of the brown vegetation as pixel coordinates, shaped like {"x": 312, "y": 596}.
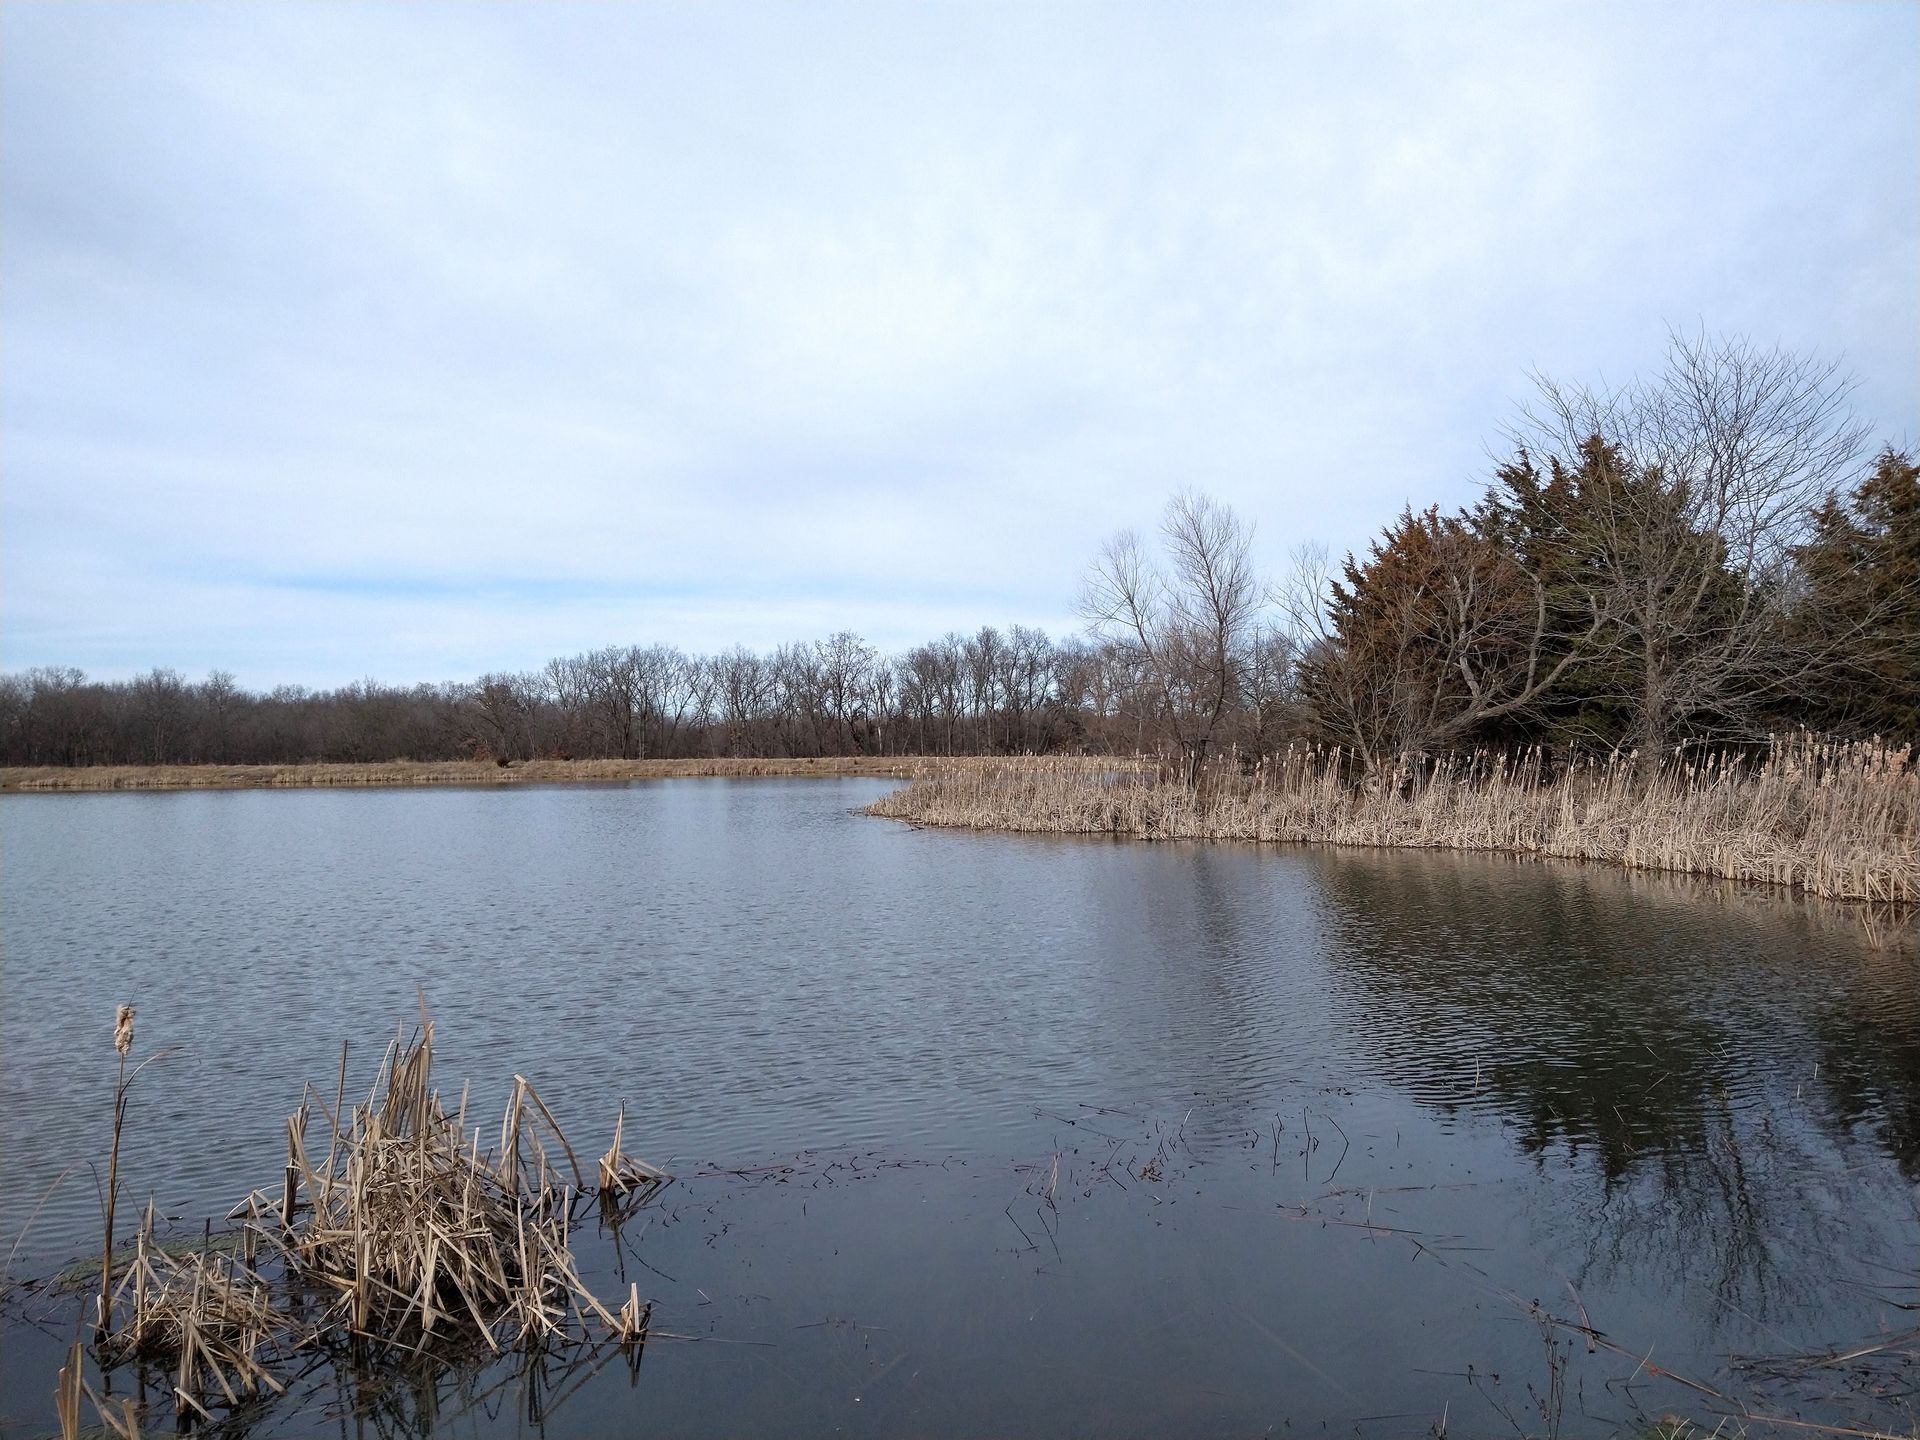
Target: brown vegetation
{"x": 404, "y": 1232}
{"x": 427, "y": 772}
{"x": 1837, "y": 820}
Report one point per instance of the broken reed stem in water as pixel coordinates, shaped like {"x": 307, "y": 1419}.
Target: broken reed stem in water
{"x": 1839, "y": 820}
{"x": 625, "y": 1182}
{"x": 118, "y": 1416}
{"x": 405, "y": 1231}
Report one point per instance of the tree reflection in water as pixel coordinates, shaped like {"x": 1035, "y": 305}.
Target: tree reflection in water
{"x": 1714, "y": 1079}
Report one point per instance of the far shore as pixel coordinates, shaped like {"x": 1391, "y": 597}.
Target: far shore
{"x": 1826, "y": 818}
{"x": 58, "y": 778}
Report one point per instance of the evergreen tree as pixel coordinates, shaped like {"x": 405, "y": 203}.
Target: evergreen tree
{"x": 1860, "y": 599}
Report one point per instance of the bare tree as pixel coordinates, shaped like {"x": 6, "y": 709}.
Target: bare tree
{"x": 923, "y": 696}
{"x": 1711, "y": 470}
{"x": 674, "y": 695}
{"x": 798, "y": 688}
{"x": 1023, "y": 677}
{"x": 845, "y": 667}
{"x": 1271, "y": 689}
{"x": 503, "y": 715}
{"x": 980, "y": 655}
{"x": 948, "y": 677}
{"x": 569, "y": 684}
{"x": 218, "y": 697}
{"x": 1188, "y": 617}
{"x": 743, "y": 687}
{"x": 881, "y": 703}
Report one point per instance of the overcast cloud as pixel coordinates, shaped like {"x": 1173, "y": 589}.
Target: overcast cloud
{"x": 413, "y": 341}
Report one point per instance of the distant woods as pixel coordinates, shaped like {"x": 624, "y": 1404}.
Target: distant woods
{"x": 1704, "y": 556}
{"x": 992, "y": 692}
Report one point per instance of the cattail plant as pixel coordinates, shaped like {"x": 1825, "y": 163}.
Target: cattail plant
{"x": 123, "y": 1047}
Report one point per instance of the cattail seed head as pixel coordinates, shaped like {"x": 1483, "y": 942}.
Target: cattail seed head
{"x": 123, "y": 1030}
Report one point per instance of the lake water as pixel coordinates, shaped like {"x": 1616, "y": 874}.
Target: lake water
{"x": 1012, "y": 1135}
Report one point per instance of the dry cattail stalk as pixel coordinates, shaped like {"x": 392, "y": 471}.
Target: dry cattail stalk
{"x": 122, "y": 1043}
{"x": 66, "y": 1393}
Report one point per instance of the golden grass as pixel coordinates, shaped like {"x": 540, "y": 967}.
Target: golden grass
{"x": 209, "y": 1315}
{"x": 1836, "y": 820}
{"x": 428, "y": 772}
{"x": 405, "y": 1231}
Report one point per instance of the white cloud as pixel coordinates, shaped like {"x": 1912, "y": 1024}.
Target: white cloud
{"x": 378, "y": 339}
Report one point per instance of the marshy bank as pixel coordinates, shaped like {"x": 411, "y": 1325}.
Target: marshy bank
{"x": 1837, "y": 820}
{"x": 321, "y": 775}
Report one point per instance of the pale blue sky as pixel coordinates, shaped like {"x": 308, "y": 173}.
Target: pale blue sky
{"x": 418, "y": 340}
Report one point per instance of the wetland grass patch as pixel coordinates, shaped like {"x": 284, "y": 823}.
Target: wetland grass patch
{"x": 397, "y": 1231}
{"x": 1839, "y": 820}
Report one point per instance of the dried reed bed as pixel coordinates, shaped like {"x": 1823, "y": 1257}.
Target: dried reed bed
{"x": 424, "y": 772}
{"x": 208, "y": 1315}
{"x": 1833, "y": 819}
{"x": 404, "y": 1231}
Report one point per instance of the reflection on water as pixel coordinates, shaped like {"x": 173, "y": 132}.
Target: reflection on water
{"x": 1730, "y": 1074}
{"x": 375, "y": 1391}
{"x": 1619, "y": 1012}
{"x": 1312, "y": 1119}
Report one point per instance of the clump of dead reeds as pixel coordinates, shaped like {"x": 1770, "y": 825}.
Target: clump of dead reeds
{"x": 1834, "y": 819}
{"x": 414, "y": 1227}
{"x": 207, "y": 1314}
{"x": 405, "y": 1230}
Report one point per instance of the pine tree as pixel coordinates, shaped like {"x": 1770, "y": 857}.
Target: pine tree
{"x": 1860, "y": 578}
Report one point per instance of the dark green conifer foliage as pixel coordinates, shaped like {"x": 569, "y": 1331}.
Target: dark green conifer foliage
{"x": 1860, "y": 569}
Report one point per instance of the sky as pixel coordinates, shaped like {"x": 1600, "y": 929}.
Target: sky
{"x": 413, "y": 341}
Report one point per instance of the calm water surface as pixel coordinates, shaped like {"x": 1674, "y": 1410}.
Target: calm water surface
{"x": 989, "y": 1134}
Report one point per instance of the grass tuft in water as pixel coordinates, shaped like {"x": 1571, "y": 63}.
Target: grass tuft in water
{"x": 403, "y": 1232}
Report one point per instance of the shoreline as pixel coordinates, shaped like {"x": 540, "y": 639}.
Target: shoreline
{"x": 1842, "y": 824}
{"x": 1901, "y": 910}
{"x": 1721, "y": 827}
{"x": 97, "y": 779}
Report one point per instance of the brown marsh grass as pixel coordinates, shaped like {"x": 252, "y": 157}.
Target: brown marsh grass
{"x": 428, "y": 772}
{"x": 1833, "y": 819}
{"x": 404, "y": 1231}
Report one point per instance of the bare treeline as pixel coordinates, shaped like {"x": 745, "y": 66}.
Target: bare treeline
{"x": 1703, "y": 556}
{"x": 1012, "y": 691}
